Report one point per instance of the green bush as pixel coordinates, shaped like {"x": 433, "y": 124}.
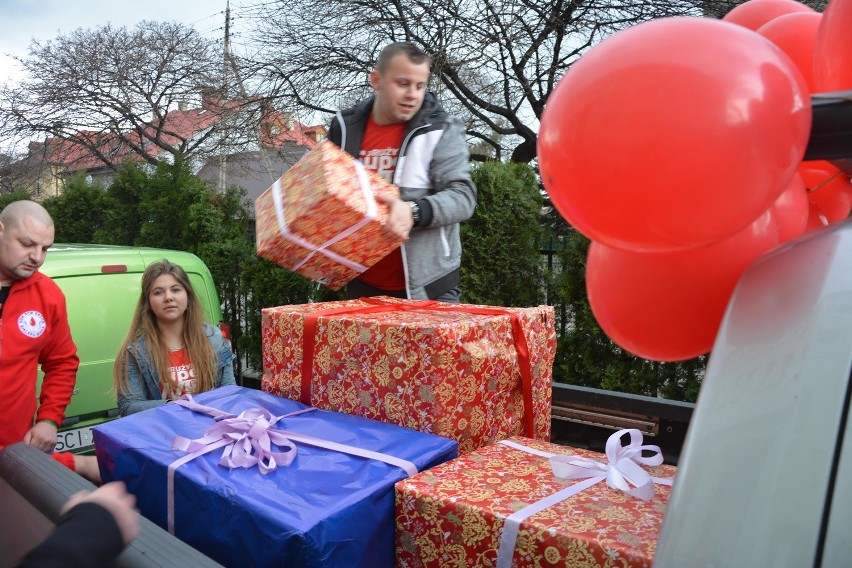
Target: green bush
{"x": 501, "y": 258}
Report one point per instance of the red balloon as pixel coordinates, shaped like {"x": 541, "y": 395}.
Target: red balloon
{"x": 673, "y": 134}
{"x": 791, "y": 209}
{"x": 755, "y": 13}
{"x": 828, "y": 188}
{"x": 833, "y": 48}
{"x": 796, "y": 34}
{"x": 816, "y": 218}
{"x": 668, "y": 306}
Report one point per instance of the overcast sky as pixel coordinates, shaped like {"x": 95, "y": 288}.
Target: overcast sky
{"x": 24, "y": 20}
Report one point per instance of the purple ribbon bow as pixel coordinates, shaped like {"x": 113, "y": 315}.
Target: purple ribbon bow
{"x": 246, "y": 437}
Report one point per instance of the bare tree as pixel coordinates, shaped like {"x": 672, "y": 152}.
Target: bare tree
{"x": 495, "y": 61}
{"x": 112, "y": 93}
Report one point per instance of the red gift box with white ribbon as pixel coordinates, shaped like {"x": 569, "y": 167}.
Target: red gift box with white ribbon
{"x": 524, "y": 502}
{"x": 321, "y": 218}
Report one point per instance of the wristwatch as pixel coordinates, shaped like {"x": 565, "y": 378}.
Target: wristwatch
{"x": 415, "y": 211}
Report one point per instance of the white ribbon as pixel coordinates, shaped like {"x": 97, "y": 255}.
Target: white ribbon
{"x": 622, "y": 472}
{"x": 369, "y": 214}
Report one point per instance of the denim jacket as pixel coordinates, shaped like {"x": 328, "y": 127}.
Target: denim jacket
{"x": 144, "y": 384}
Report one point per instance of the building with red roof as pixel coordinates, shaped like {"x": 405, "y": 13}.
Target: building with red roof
{"x": 251, "y": 140}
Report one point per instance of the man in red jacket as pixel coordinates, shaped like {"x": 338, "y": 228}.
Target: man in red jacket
{"x": 33, "y": 331}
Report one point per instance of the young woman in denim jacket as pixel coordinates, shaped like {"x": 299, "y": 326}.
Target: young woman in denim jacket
{"x": 170, "y": 350}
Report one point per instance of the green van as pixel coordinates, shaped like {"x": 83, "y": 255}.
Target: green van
{"x": 101, "y": 284}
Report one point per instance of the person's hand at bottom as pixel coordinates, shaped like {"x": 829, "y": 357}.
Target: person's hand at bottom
{"x": 114, "y": 498}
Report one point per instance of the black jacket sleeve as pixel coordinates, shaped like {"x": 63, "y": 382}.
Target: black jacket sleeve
{"x": 87, "y": 536}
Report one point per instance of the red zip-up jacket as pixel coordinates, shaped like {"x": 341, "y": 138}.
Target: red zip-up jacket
{"x": 34, "y": 330}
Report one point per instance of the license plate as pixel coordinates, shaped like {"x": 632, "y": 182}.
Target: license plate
{"x": 76, "y": 440}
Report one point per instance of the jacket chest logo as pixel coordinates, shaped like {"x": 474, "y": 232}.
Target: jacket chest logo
{"x": 32, "y": 324}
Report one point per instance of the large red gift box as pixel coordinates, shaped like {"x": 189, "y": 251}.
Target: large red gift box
{"x": 475, "y": 374}
{"x": 459, "y": 513}
{"x": 321, "y": 218}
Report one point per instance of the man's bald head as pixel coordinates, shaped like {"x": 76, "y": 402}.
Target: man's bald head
{"x": 12, "y": 214}
{"x": 26, "y": 232}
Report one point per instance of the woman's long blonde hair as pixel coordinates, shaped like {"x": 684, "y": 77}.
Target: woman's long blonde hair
{"x": 144, "y": 324}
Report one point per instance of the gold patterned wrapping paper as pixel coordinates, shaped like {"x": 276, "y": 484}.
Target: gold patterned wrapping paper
{"x": 322, "y": 200}
{"x": 453, "y": 514}
{"x": 441, "y": 371}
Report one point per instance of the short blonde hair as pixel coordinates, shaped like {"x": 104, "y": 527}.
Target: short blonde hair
{"x": 411, "y": 51}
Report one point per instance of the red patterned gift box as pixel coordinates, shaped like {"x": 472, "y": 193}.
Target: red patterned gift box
{"x": 321, "y": 218}
{"x": 476, "y": 374}
{"x": 459, "y": 513}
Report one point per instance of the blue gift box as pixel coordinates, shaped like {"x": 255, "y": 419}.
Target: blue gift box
{"x": 327, "y": 508}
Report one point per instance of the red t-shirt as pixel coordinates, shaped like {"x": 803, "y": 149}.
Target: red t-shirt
{"x": 379, "y": 150}
{"x": 181, "y": 378}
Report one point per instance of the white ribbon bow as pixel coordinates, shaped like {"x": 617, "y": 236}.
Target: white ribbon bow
{"x": 622, "y": 472}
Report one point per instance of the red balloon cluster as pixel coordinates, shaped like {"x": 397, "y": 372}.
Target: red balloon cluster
{"x": 676, "y": 146}
{"x": 820, "y": 46}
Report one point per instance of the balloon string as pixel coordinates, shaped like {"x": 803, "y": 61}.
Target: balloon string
{"x": 825, "y": 182}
